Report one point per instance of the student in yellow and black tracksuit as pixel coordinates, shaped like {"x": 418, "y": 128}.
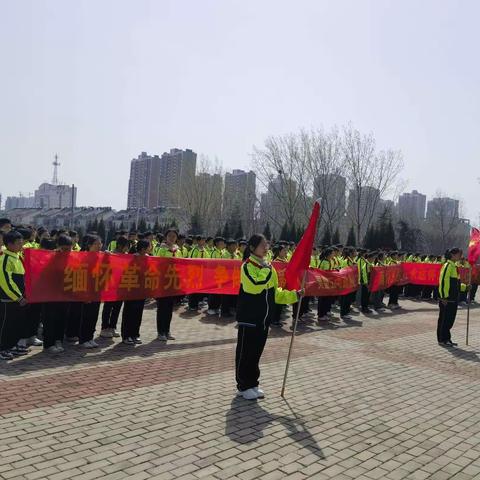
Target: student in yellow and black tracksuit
{"x": 364, "y": 266}
{"x": 259, "y": 292}
{"x": 449, "y": 288}
{"x": 229, "y": 302}
{"x": 197, "y": 251}
{"x": 89, "y": 317}
{"x": 111, "y": 310}
{"x": 133, "y": 309}
{"x": 394, "y": 290}
{"x": 216, "y": 252}
{"x": 347, "y": 260}
{"x": 325, "y": 303}
{"x": 12, "y": 300}
{"x": 279, "y": 255}
{"x": 165, "y": 304}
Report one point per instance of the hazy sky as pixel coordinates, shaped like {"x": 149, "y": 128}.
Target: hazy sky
{"x": 100, "y": 81}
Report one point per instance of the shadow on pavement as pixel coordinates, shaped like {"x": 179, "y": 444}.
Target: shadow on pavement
{"x": 246, "y": 420}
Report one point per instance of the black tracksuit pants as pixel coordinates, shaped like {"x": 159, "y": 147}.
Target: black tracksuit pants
{"x": 132, "y": 318}
{"x": 446, "y": 319}
{"x": 164, "y": 314}
{"x": 11, "y": 317}
{"x": 54, "y": 319}
{"x": 250, "y": 344}
{"x": 364, "y": 298}
{"x": 89, "y": 321}
{"x": 72, "y": 327}
{"x": 33, "y": 316}
{"x": 110, "y": 314}
{"x": 324, "y": 305}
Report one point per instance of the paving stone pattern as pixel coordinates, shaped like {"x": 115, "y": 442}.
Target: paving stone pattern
{"x": 374, "y": 398}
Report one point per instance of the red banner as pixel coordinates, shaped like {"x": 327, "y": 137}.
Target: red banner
{"x": 417, "y": 274}
{"x": 83, "y": 277}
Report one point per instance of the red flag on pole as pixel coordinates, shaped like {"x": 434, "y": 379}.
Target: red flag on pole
{"x": 474, "y": 246}
{"x": 300, "y": 260}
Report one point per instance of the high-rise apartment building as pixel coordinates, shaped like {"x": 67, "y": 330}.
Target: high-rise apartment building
{"x": 442, "y": 207}
{"x": 239, "y": 195}
{"x": 160, "y": 181}
{"x": 411, "y": 207}
{"x": 55, "y": 196}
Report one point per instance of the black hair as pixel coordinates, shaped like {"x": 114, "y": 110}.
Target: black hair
{"x": 48, "y": 244}
{"x": 123, "y": 242}
{"x": 189, "y": 241}
{"x": 230, "y": 241}
{"x": 217, "y": 240}
{"x": 253, "y": 242}
{"x": 11, "y": 237}
{"x": 72, "y": 233}
{"x": 277, "y": 249}
{"x": 147, "y": 233}
{"x": 88, "y": 241}
{"x": 64, "y": 241}
{"x": 452, "y": 251}
{"x": 142, "y": 244}
{"x": 210, "y": 238}
{"x": 326, "y": 253}
{"x": 174, "y": 230}
{"x": 5, "y": 221}
{"x": 26, "y": 233}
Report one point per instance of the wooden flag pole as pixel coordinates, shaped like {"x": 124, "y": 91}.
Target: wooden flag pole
{"x": 297, "y": 316}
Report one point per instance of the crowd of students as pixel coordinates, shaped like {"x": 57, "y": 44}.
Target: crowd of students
{"x": 54, "y": 324}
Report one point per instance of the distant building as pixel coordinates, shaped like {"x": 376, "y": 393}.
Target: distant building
{"x": 364, "y": 206}
{"x": 49, "y": 195}
{"x": 19, "y": 202}
{"x": 411, "y": 207}
{"x": 159, "y": 181}
{"x": 240, "y": 195}
{"x": 442, "y": 207}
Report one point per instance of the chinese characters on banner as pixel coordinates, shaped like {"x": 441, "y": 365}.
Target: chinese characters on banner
{"x": 83, "y": 277}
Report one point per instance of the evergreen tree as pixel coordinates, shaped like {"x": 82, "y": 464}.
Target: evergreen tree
{"x": 156, "y": 225}
{"x": 266, "y": 232}
{"x": 351, "y": 241}
{"x": 142, "y": 225}
{"x": 101, "y": 230}
{"x": 122, "y": 226}
{"x": 239, "y": 231}
{"x": 336, "y": 237}
{"x": 88, "y": 226}
{"x": 226, "y": 233}
{"x": 218, "y": 233}
{"x": 292, "y": 233}
{"x": 327, "y": 237}
{"x": 285, "y": 232}
{"x": 371, "y": 238}
{"x": 173, "y": 223}
{"x": 195, "y": 224}
{"x": 95, "y": 225}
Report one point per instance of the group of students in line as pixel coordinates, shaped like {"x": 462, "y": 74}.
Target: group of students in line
{"x": 75, "y": 322}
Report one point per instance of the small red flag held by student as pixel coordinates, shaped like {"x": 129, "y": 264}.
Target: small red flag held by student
{"x": 474, "y": 246}
{"x": 300, "y": 260}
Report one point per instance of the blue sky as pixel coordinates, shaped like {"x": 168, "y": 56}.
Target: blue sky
{"x": 100, "y": 81}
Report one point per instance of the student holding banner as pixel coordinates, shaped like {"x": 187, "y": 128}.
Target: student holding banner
{"x": 259, "y": 292}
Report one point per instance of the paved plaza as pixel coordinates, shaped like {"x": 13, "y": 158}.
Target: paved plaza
{"x": 376, "y": 398}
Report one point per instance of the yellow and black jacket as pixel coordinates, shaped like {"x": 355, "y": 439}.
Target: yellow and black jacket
{"x": 259, "y": 292}
{"x": 449, "y": 285}
{"x": 12, "y": 277}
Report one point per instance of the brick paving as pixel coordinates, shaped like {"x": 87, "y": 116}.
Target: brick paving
{"x": 376, "y": 398}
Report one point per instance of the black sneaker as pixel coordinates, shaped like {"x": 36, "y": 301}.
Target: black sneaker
{"x": 6, "y": 355}
{"x": 451, "y": 344}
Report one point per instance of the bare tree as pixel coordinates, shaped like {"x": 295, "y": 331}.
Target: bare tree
{"x": 444, "y": 227}
{"x": 370, "y": 176}
{"x": 281, "y": 169}
{"x": 203, "y": 199}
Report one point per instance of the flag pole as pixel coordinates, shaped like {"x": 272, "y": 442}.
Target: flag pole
{"x": 294, "y": 330}
{"x": 468, "y": 313}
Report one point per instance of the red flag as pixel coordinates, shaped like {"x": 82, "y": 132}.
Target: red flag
{"x": 300, "y": 260}
{"x": 474, "y": 246}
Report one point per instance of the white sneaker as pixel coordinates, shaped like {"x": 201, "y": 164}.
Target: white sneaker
{"x": 260, "y": 393}
{"x": 210, "y": 311}
{"x": 59, "y": 346}
{"x": 34, "y": 341}
{"x": 346, "y": 317}
{"x": 53, "y": 349}
{"x": 325, "y": 318}
{"x": 329, "y": 314}
{"x": 162, "y": 338}
{"x": 115, "y": 334}
{"x": 249, "y": 394}
{"x": 106, "y": 333}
